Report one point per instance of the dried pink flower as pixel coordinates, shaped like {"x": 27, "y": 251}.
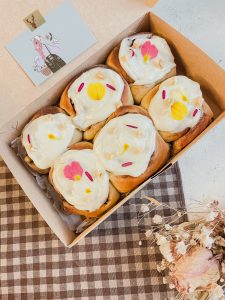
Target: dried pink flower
{"x": 197, "y": 269}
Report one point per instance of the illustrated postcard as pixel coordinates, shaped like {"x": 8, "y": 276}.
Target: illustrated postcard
{"x": 50, "y": 42}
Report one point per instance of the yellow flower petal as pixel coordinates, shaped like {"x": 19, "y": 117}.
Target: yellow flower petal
{"x": 184, "y": 98}
{"x": 96, "y": 91}
{"x": 125, "y": 147}
{"x": 76, "y": 177}
{"x": 178, "y": 111}
{"x": 51, "y": 136}
{"x": 146, "y": 58}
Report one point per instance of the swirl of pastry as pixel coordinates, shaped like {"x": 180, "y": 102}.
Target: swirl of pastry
{"x": 46, "y": 137}
{"x": 177, "y": 105}
{"x": 146, "y": 58}
{"x": 125, "y": 144}
{"x": 81, "y": 179}
{"x": 95, "y": 94}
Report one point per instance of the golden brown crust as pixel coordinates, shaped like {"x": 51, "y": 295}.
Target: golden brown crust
{"x": 127, "y": 98}
{"x": 90, "y": 133}
{"x": 133, "y": 109}
{"x": 32, "y": 165}
{"x": 43, "y": 111}
{"x": 81, "y": 145}
{"x": 187, "y": 138}
{"x": 127, "y": 183}
{"x": 139, "y": 91}
{"x": 148, "y": 97}
{"x": 114, "y": 63}
{"x": 113, "y": 197}
{"x": 47, "y": 110}
{"x": 65, "y": 103}
{"x": 170, "y": 136}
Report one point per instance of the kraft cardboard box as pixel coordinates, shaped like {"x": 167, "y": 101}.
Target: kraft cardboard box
{"x": 190, "y": 60}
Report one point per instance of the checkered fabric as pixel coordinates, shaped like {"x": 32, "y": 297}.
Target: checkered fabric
{"x": 108, "y": 264}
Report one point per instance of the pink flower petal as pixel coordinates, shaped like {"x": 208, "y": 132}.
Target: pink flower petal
{"x": 131, "y": 126}
{"x": 28, "y": 138}
{"x": 164, "y": 94}
{"x": 131, "y": 52}
{"x": 110, "y": 86}
{"x": 145, "y": 48}
{"x": 149, "y": 49}
{"x": 126, "y": 164}
{"x": 153, "y": 51}
{"x": 72, "y": 170}
{"x": 89, "y": 176}
{"x": 80, "y": 87}
{"x": 195, "y": 112}
{"x": 196, "y": 266}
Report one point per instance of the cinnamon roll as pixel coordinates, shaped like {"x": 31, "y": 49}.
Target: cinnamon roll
{"x": 92, "y": 96}
{"x": 130, "y": 148}
{"x": 46, "y": 136}
{"x": 143, "y": 60}
{"x": 83, "y": 183}
{"x": 178, "y": 110}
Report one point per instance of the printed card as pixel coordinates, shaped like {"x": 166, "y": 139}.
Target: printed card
{"x": 51, "y": 42}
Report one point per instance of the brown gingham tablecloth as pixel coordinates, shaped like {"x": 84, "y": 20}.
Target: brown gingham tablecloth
{"x": 108, "y": 264}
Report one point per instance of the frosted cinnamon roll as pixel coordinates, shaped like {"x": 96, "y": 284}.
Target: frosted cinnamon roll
{"x": 130, "y": 148}
{"x": 178, "y": 110}
{"x": 143, "y": 60}
{"x": 80, "y": 178}
{"x": 46, "y": 136}
{"x": 92, "y": 96}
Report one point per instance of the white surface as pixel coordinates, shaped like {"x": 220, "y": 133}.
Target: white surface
{"x": 202, "y": 21}
{"x": 203, "y": 166}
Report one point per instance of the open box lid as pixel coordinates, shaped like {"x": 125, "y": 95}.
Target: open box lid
{"x": 105, "y": 19}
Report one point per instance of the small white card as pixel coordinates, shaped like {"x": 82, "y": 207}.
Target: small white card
{"x": 60, "y": 36}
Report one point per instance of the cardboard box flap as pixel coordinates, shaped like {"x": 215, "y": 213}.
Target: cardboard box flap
{"x": 104, "y": 18}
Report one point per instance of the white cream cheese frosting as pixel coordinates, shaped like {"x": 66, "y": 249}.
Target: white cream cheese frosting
{"x": 146, "y": 58}
{"x": 125, "y": 144}
{"x": 47, "y": 136}
{"x": 95, "y": 95}
{"x": 81, "y": 179}
{"x": 177, "y": 105}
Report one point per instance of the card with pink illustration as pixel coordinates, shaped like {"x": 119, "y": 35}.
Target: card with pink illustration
{"x": 44, "y": 49}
